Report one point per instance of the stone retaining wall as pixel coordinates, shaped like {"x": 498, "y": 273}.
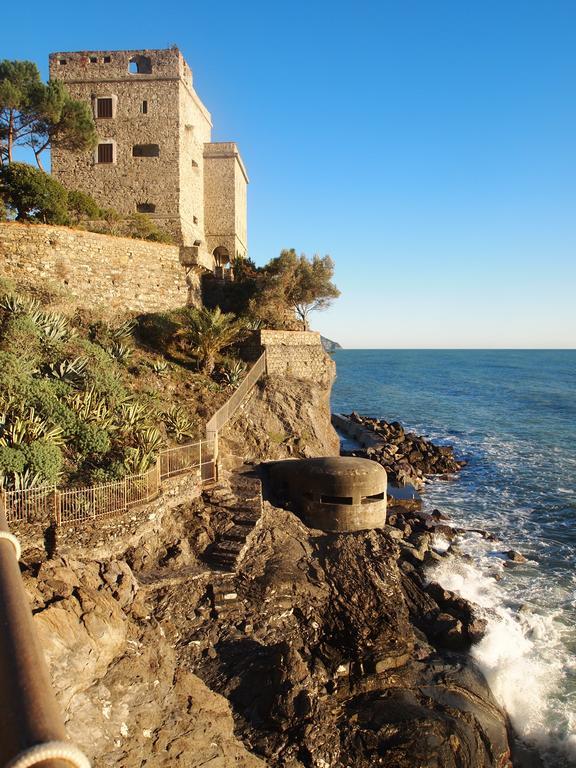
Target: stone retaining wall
{"x": 116, "y": 273}
{"x": 299, "y": 354}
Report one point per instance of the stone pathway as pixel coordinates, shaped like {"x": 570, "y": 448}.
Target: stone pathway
{"x": 242, "y": 495}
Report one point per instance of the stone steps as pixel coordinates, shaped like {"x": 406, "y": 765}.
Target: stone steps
{"x": 243, "y": 497}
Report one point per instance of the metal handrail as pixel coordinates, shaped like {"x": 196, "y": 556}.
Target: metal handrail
{"x": 231, "y": 406}
{"x": 29, "y": 714}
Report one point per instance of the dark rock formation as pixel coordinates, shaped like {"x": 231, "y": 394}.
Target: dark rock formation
{"x": 407, "y": 457}
{"x": 330, "y": 650}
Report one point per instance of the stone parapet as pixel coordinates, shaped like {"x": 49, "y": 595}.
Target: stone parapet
{"x": 116, "y": 273}
{"x": 299, "y": 354}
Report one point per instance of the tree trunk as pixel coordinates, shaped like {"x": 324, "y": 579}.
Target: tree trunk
{"x": 38, "y": 161}
{"x": 10, "y": 135}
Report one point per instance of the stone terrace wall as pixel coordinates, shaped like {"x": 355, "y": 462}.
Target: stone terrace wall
{"x": 116, "y": 273}
{"x": 296, "y": 353}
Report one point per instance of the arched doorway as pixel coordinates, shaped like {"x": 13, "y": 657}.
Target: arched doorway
{"x": 221, "y": 261}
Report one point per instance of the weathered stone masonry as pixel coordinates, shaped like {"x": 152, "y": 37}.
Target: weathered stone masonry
{"x": 114, "y": 273}
{"x": 298, "y": 354}
{"x": 155, "y": 153}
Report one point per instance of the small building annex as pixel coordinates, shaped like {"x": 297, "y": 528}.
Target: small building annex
{"x": 154, "y": 152}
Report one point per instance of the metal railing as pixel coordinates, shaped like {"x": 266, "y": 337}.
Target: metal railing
{"x": 31, "y": 725}
{"x": 74, "y": 505}
{"x": 225, "y": 413}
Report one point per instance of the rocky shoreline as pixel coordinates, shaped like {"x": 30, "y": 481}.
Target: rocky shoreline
{"x": 408, "y": 458}
{"x": 309, "y": 649}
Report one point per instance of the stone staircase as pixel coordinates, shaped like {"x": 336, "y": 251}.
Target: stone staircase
{"x": 242, "y": 496}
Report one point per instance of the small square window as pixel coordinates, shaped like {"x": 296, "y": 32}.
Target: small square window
{"x": 105, "y": 153}
{"x": 107, "y": 59}
{"x": 93, "y": 60}
{"x": 62, "y": 62}
{"x": 104, "y": 108}
{"x": 194, "y": 164}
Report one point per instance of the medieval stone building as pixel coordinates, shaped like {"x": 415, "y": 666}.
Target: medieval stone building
{"x": 154, "y": 153}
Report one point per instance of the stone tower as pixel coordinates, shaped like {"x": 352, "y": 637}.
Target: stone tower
{"x": 154, "y": 153}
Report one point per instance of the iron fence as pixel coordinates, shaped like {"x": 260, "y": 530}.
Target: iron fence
{"x": 225, "y": 413}
{"x": 73, "y": 505}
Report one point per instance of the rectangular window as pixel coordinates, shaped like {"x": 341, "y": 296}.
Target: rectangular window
{"x": 144, "y": 107}
{"x": 105, "y": 153}
{"x": 107, "y": 59}
{"x": 145, "y": 150}
{"x": 104, "y": 107}
{"x": 335, "y": 499}
{"x": 62, "y": 62}
{"x": 145, "y": 207}
{"x": 93, "y": 60}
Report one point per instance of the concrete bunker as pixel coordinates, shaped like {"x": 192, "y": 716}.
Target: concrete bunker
{"x": 333, "y": 493}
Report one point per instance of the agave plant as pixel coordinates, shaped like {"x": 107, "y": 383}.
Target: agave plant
{"x": 233, "y": 374}
{"x": 123, "y": 331}
{"x": 70, "y": 371}
{"x": 17, "y": 305}
{"x": 54, "y": 327}
{"x": 178, "y": 423}
{"x": 24, "y": 426}
{"x": 160, "y": 367}
{"x": 138, "y": 461}
{"x": 23, "y": 481}
{"x": 119, "y": 351}
{"x": 149, "y": 439}
{"x": 133, "y": 415}
{"x": 92, "y": 407}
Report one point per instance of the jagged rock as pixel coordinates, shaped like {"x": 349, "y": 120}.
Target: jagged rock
{"x": 329, "y": 650}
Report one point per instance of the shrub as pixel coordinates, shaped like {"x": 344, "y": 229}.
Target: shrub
{"x": 81, "y": 207}
{"x": 11, "y": 460}
{"x": 91, "y": 440}
{"x": 44, "y": 459}
{"x": 34, "y": 195}
{"x": 20, "y": 332}
{"x": 142, "y": 227}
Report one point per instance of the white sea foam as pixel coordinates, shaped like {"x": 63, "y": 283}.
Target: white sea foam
{"x": 522, "y": 657}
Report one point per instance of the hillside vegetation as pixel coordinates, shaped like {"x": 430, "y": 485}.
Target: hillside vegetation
{"x": 84, "y": 402}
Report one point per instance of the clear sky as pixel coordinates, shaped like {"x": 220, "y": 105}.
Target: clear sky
{"x": 428, "y": 147}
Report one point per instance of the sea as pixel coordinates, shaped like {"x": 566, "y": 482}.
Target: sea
{"x": 512, "y": 415}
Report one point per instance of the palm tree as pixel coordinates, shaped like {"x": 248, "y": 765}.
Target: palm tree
{"x": 210, "y": 331}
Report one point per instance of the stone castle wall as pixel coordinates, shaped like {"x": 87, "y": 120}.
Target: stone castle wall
{"x": 113, "y": 273}
{"x": 298, "y": 354}
{"x": 225, "y": 181}
{"x": 193, "y": 188}
{"x": 160, "y": 108}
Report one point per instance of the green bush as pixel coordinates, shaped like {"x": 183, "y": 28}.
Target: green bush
{"x": 81, "y": 207}
{"x": 45, "y": 459}
{"x": 34, "y": 195}
{"x": 114, "y": 470}
{"x": 11, "y": 460}
{"x": 48, "y": 398}
{"x": 20, "y": 332}
{"x": 91, "y": 440}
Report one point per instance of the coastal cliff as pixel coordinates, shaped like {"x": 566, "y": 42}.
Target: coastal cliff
{"x": 221, "y": 630}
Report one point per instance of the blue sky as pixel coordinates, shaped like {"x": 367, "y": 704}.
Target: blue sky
{"x": 428, "y": 147}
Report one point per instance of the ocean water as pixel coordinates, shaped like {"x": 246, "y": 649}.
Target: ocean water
{"x": 512, "y": 415}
